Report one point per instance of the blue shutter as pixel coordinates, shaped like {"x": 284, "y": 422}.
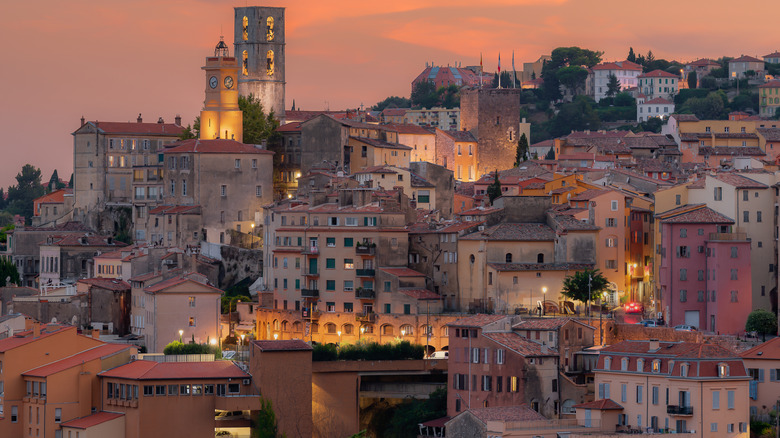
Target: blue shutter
{"x": 761, "y": 375}
{"x": 753, "y": 389}
{"x": 772, "y": 375}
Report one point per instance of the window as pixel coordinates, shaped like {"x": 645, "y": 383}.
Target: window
{"x": 683, "y": 274}
{"x": 223, "y": 190}
{"x": 614, "y": 205}
{"x": 192, "y": 321}
{"x": 730, "y": 398}
{"x": 718, "y": 193}
{"x": 734, "y": 274}
{"x": 639, "y": 391}
{"x": 191, "y": 301}
{"x": 758, "y": 216}
{"x": 349, "y": 264}
{"x": 623, "y": 392}
{"x": 611, "y": 222}
{"x": 330, "y": 285}
{"x": 656, "y": 366}
{"x": 624, "y": 364}
{"x": 57, "y": 415}
{"x": 734, "y": 296}
{"x": 723, "y": 370}
{"x": 655, "y": 395}
{"x": 330, "y": 242}
{"x": 159, "y": 390}
{"x": 254, "y": 163}
{"x": 258, "y": 191}
{"x": 148, "y": 390}
{"x": 500, "y": 356}
{"x": 683, "y": 295}
{"x": 715, "y": 399}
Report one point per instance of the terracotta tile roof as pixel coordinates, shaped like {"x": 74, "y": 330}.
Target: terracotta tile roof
{"x": 600, "y": 405}
{"x": 176, "y": 209}
{"x": 381, "y": 143}
{"x": 507, "y": 413}
{"x": 302, "y": 116}
{"x": 147, "y": 276}
{"x": 131, "y": 128}
{"x": 769, "y": 134}
{"x": 92, "y": 420}
{"x": 685, "y": 117}
{"x": 113, "y": 255}
{"x": 771, "y": 84}
{"x": 658, "y": 101}
{"x": 291, "y": 345}
{"x": 148, "y": 370}
{"x": 439, "y": 422}
{"x": 26, "y": 337}
{"x": 480, "y": 320}
{"x": 738, "y": 151}
{"x": 375, "y": 169}
{"x": 460, "y": 136}
{"x": 702, "y": 215}
{"x": 519, "y": 344}
{"x": 99, "y": 352}
{"x": 402, "y": 272}
{"x": 769, "y": 350}
{"x": 55, "y": 197}
{"x": 478, "y": 211}
{"x": 746, "y": 58}
{"x": 545, "y": 323}
{"x": 739, "y": 181}
{"x": 587, "y": 195}
{"x": 407, "y": 128}
{"x": 688, "y": 350}
{"x": 516, "y": 267}
{"x": 772, "y": 55}
{"x": 165, "y": 284}
{"x": 394, "y": 111}
{"x": 107, "y": 283}
{"x": 290, "y": 127}
{"x": 420, "y": 294}
{"x": 704, "y": 62}
{"x": 514, "y": 231}
{"x": 85, "y": 240}
{"x": 657, "y": 74}
{"x": 218, "y": 146}
{"x": 619, "y": 65}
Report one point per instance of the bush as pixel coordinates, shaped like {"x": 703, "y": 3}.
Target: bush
{"x": 368, "y": 351}
{"x": 177, "y": 347}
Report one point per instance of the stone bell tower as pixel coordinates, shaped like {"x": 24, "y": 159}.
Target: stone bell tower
{"x": 259, "y": 49}
{"x": 221, "y": 117}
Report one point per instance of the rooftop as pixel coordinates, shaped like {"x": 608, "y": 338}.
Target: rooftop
{"x": 291, "y": 345}
{"x": 92, "y": 420}
{"x": 218, "y": 146}
{"x": 514, "y": 231}
{"x": 98, "y": 352}
{"x": 148, "y": 370}
{"x": 600, "y": 405}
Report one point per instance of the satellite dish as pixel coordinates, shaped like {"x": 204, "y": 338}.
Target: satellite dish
{"x": 54, "y": 320}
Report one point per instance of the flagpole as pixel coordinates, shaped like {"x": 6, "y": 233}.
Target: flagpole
{"x": 499, "y": 69}
{"x": 480, "y": 69}
{"x": 514, "y": 72}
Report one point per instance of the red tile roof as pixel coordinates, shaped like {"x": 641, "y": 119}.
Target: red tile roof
{"x": 85, "y": 240}
{"x": 745, "y": 58}
{"x": 544, "y": 323}
{"x": 739, "y": 181}
{"x": 420, "y": 294}
{"x": 771, "y": 84}
{"x": 769, "y": 350}
{"x": 460, "y": 136}
{"x": 55, "y": 197}
{"x": 407, "y": 128}
{"x": 381, "y": 143}
{"x": 167, "y": 129}
{"x": 394, "y": 111}
{"x": 519, "y": 344}
{"x": 439, "y": 422}
{"x": 92, "y": 420}
{"x": 98, "y": 352}
{"x": 176, "y": 209}
{"x": 658, "y": 101}
{"x": 480, "y": 320}
{"x": 600, "y": 405}
{"x": 587, "y": 195}
{"x": 507, "y": 413}
{"x": 165, "y": 284}
{"x": 107, "y": 283}
{"x": 402, "y": 272}
{"x": 772, "y": 55}
{"x": 218, "y": 146}
{"x": 619, "y": 65}
{"x": 26, "y": 337}
{"x": 290, "y": 127}
{"x": 148, "y": 370}
{"x": 657, "y": 74}
{"x": 524, "y": 232}
{"x": 704, "y": 62}
{"x": 292, "y": 345}
{"x": 702, "y": 215}
{"x": 518, "y": 267}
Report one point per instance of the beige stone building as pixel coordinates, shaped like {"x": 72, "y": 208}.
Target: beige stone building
{"x": 422, "y": 192}
{"x": 762, "y": 363}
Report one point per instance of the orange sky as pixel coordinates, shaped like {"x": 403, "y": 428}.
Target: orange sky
{"x": 112, "y": 59}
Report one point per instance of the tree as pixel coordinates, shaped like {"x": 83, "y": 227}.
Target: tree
{"x": 392, "y": 102}
{"x": 650, "y": 57}
{"x": 506, "y": 79}
{"x": 258, "y": 125}
{"x": 693, "y": 80}
{"x": 563, "y": 57}
{"x": 70, "y": 183}
{"x": 8, "y": 273}
{"x": 265, "y": 422}
{"x": 761, "y": 321}
{"x": 572, "y": 77}
{"x": 711, "y": 107}
{"x": 54, "y": 182}
{"x": 576, "y": 286}
{"x": 625, "y": 99}
{"x": 550, "y": 154}
{"x": 191, "y": 131}
{"x": 613, "y": 86}
{"x": 521, "y": 153}
{"x": 494, "y": 189}
{"x": 631, "y": 56}
{"x": 27, "y": 189}
{"x": 424, "y": 94}
{"x": 576, "y": 116}
{"x": 408, "y": 415}
{"x": 2, "y": 199}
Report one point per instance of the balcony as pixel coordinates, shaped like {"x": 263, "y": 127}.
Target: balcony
{"x": 365, "y": 294}
{"x": 309, "y": 314}
{"x": 311, "y": 273}
{"x": 311, "y": 250}
{"x": 365, "y": 250}
{"x": 365, "y": 272}
{"x": 728, "y": 237}
{"x": 366, "y": 317}
{"x": 310, "y": 293}
{"x": 679, "y": 410}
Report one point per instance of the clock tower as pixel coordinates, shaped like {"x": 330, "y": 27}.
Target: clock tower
{"x": 259, "y": 48}
{"x": 221, "y": 117}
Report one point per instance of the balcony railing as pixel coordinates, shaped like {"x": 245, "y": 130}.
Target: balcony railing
{"x": 311, "y": 272}
{"x": 365, "y": 294}
{"x": 309, "y": 314}
{"x": 312, "y": 250}
{"x": 679, "y": 410}
{"x": 366, "y": 317}
{"x": 365, "y": 250}
{"x": 365, "y": 272}
{"x": 310, "y": 293}
{"x": 728, "y": 236}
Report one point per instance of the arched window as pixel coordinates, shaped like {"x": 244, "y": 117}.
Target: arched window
{"x": 276, "y": 324}
{"x": 640, "y": 365}
{"x": 315, "y": 328}
{"x": 540, "y": 258}
{"x": 367, "y": 329}
{"x": 269, "y": 62}
{"x": 244, "y": 29}
{"x": 445, "y": 332}
{"x": 624, "y": 364}
{"x": 387, "y": 330}
{"x": 568, "y": 406}
{"x": 296, "y": 326}
{"x": 330, "y": 328}
{"x": 407, "y": 330}
{"x": 269, "y": 29}
{"x": 657, "y": 365}
{"x": 285, "y": 326}
{"x": 684, "y": 370}
{"x": 347, "y": 329}
{"x": 426, "y": 330}
{"x": 509, "y": 257}
{"x": 245, "y": 63}
{"x": 607, "y": 363}
{"x": 471, "y": 259}
{"x": 723, "y": 370}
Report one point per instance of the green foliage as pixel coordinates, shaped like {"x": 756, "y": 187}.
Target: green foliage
{"x": 228, "y": 303}
{"x": 264, "y": 424}
{"x": 4, "y": 231}
{"x": 712, "y": 107}
{"x": 409, "y": 414}
{"x": 572, "y": 77}
{"x": 8, "y": 273}
{"x": 258, "y": 125}
{"x": 613, "y": 86}
{"x": 55, "y": 183}
{"x": 521, "y": 154}
{"x": 27, "y": 189}
{"x": 761, "y": 321}
{"x": 401, "y": 350}
{"x": 708, "y": 82}
{"x": 625, "y": 99}
{"x": 693, "y": 80}
{"x": 631, "y": 56}
{"x": 719, "y": 73}
{"x": 777, "y": 114}
{"x": 745, "y": 101}
{"x": 392, "y": 102}
{"x": 425, "y": 95}
{"x": 575, "y": 286}
{"x": 683, "y": 95}
{"x": 563, "y": 57}
{"x": 177, "y": 347}
{"x": 550, "y": 154}
{"x": 70, "y": 183}
{"x": 576, "y": 116}
{"x": 506, "y": 80}
{"x": 494, "y": 189}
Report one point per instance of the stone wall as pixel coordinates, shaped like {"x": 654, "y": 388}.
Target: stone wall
{"x": 493, "y": 116}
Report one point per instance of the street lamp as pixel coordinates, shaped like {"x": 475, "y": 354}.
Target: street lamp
{"x": 253, "y": 235}
{"x": 339, "y": 333}
{"x": 242, "y": 344}
{"x": 362, "y": 330}
{"x": 276, "y": 336}
{"x": 181, "y": 333}
{"x": 544, "y": 298}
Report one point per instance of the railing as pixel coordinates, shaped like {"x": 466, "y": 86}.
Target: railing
{"x": 365, "y": 250}
{"x": 728, "y": 236}
{"x": 365, "y": 294}
{"x": 312, "y": 250}
{"x": 310, "y": 293}
{"x": 365, "y": 272}
{"x": 311, "y": 272}
{"x": 679, "y": 410}
{"x": 366, "y": 317}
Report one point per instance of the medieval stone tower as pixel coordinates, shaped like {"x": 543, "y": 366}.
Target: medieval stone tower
{"x": 259, "y": 48}
{"x": 492, "y": 115}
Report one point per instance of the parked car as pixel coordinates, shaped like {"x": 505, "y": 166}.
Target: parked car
{"x": 229, "y": 415}
{"x": 439, "y": 355}
{"x": 685, "y": 328}
{"x": 649, "y": 323}
{"x": 634, "y": 307}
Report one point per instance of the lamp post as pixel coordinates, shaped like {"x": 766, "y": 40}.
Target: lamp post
{"x": 253, "y": 235}
{"x": 339, "y": 333}
{"x": 181, "y": 333}
{"x": 544, "y": 298}
{"x": 242, "y": 345}
{"x": 590, "y": 278}
{"x": 276, "y": 336}
{"x": 360, "y": 336}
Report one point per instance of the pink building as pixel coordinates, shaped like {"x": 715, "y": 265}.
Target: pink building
{"x": 704, "y": 270}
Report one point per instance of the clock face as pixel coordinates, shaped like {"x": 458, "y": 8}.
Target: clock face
{"x": 229, "y": 82}
{"x": 213, "y": 82}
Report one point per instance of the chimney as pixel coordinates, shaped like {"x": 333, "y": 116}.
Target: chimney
{"x": 160, "y": 120}
{"x": 83, "y": 121}
{"x": 96, "y": 334}
{"x": 545, "y": 349}
{"x": 139, "y": 119}
{"x": 177, "y": 120}
{"x": 655, "y": 345}
{"x": 36, "y": 329}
